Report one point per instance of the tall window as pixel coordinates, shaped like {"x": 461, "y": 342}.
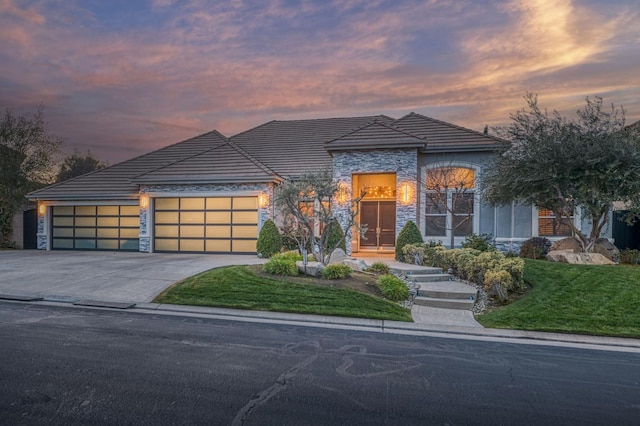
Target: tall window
{"x": 450, "y": 199}
{"x": 549, "y": 225}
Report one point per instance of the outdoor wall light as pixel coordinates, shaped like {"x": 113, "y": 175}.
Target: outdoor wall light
{"x": 263, "y": 200}
{"x": 406, "y": 193}
{"x": 343, "y": 193}
{"x": 144, "y": 201}
{"x": 42, "y": 209}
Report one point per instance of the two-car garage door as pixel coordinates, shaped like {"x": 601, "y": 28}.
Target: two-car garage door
{"x": 206, "y": 224}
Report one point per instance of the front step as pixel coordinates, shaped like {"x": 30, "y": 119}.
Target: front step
{"x": 445, "y": 303}
{"x": 427, "y": 278}
{"x": 410, "y": 270}
{"x": 446, "y": 294}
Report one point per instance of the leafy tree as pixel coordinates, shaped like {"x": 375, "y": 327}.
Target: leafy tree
{"x": 27, "y": 155}
{"x": 308, "y": 217}
{"x": 77, "y": 164}
{"x": 563, "y": 164}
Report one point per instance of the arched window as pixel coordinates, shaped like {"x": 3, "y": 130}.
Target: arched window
{"x": 450, "y": 201}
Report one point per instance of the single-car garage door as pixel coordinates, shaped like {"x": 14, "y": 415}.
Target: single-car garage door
{"x": 206, "y": 225}
{"x": 95, "y": 227}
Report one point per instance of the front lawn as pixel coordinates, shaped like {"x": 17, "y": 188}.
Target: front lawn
{"x": 583, "y": 299}
{"x": 242, "y": 288}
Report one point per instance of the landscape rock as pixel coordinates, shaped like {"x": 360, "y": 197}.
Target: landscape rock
{"x": 607, "y": 249}
{"x": 313, "y": 268}
{"x": 338, "y": 256}
{"x": 568, "y": 256}
{"x": 355, "y": 264}
{"x": 567, "y": 244}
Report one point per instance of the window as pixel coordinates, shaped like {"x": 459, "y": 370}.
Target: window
{"x": 450, "y": 202}
{"x": 549, "y": 225}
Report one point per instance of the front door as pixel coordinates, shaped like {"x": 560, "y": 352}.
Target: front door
{"x": 380, "y": 219}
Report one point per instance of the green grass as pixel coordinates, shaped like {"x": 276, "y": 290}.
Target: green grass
{"x": 582, "y": 299}
{"x": 238, "y": 287}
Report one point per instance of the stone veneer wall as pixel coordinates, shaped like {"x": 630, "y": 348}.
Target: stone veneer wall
{"x": 402, "y": 162}
{"x": 42, "y": 234}
{"x": 204, "y": 190}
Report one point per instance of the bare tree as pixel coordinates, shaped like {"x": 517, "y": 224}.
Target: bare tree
{"x": 450, "y": 197}
{"x": 306, "y": 204}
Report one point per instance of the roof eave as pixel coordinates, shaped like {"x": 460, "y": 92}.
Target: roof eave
{"x": 208, "y": 179}
{"x": 84, "y": 197}
{"x": 348, "y": 147}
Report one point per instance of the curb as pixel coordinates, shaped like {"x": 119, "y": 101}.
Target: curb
{"x": 320, "y": 321}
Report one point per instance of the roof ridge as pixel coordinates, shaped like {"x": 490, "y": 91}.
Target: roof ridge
{"x": 179, "y": 160}
{"x": 331, "y": 118}
{"x": 253, "y": 159}
{"x": 455, "y": 126}
{"x": 248, "y": 130}
{"x": 375, "y": 121}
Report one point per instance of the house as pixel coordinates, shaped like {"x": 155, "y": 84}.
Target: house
{"x": 211, "y": 193}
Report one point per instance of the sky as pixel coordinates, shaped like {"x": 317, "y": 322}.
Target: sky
{"x": 124, "y": 77}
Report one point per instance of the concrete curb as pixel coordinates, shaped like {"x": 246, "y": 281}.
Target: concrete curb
{"x": 362, "y": 324}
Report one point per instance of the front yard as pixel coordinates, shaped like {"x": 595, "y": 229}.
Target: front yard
{"x": 583, "y": 299}
{"x": 247, "y": 287}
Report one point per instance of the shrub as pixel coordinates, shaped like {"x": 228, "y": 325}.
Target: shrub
{"x": 269, "y": 240}
{"x": 498, "y": 282}
{"x": 336, "y": 234}
{"x": 410, "y": 234}
{"x": 630, "y": 256}
{"x": 535, "y": 248}
{"x": 392, "y": 287}
{"x": 482, "y": 242}
{"x": 336, "y": 271}
{"x": 379, "y": 268}
{"x": 283, "y": 264}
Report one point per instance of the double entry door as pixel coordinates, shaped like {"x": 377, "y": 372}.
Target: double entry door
{"x": 380, "y": 219}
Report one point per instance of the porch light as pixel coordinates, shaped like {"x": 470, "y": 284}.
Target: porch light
{"x": 343, "y": 193}
{"x": 144, "y": 201}
{"x": 263, "y": 200}
{"x": 42, "y": 209}
{"x": 406, "y": 193}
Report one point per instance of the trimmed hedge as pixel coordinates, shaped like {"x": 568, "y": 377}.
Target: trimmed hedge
{"x": 269, "y": 240}
{"x": 392, "y": 287}
{"x": 410, "y": 234}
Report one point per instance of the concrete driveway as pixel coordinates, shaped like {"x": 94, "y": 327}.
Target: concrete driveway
{"x": 107, "y": 276}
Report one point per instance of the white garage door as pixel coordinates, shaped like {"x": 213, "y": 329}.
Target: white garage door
{"x": 206, "y": 224}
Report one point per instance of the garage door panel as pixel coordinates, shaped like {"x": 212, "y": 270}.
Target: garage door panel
{"x": 206, "y": 224}
{"x": 110, "y": 227}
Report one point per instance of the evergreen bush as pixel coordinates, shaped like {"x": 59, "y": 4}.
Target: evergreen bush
{"x": 482, "y": 242}
{"x": 410, "y": 234}
{"x": 336, "y": 234}
{"x": 535, "y": 248}
{"x": 269, "y": 240}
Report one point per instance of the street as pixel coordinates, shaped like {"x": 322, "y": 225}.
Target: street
{"x": 66, "y": 365}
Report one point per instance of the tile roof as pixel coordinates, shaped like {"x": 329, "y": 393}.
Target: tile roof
{"x": 224, "y": 163}
{"x": 115, "y": 181}
{"x": 376, "y": 135}
{"x": 442, "y": 136}
{"x": 291, "y": 148}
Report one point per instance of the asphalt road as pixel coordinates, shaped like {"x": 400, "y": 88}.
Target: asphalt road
{"x": 62, "y": 365}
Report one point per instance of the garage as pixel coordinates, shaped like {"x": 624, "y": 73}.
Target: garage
{"x": 95, "y": 227}
{"x": 206, "y": 224}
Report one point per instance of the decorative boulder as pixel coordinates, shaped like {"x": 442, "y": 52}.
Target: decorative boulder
{"x": 313, "y": 268}
{"x": 607, "y": 249}
{"x": 567, "y": 244}
{"x": 355, "y": 264}
{"x": 338, "y": 256}
{"x": 568, "y": 256}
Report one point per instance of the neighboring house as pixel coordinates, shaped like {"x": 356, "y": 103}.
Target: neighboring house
{"x": 211, "y": 194}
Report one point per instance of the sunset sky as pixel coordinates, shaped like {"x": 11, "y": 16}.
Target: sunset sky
{"x": 124, "y": 77}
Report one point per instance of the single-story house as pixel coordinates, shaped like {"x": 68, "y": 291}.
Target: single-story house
{"x": 211, "y": 193}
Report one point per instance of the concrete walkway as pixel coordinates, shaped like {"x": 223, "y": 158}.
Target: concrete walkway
{"x": 427, "y": 314}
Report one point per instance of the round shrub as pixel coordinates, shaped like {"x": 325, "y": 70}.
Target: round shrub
{"x": 269, "y": 240}
{"x": 336, "y": 234}
{"x": 535, "y": 248}
{"x": 410, "y": 234}
{"x": 378, "y": 268}
{"x": 282, "y": 265}
{"x": 629, "y": 256}
{"x": 336, "y": 271}
{"x": 482, "y": 242}
{"x": 392, "y": 287}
